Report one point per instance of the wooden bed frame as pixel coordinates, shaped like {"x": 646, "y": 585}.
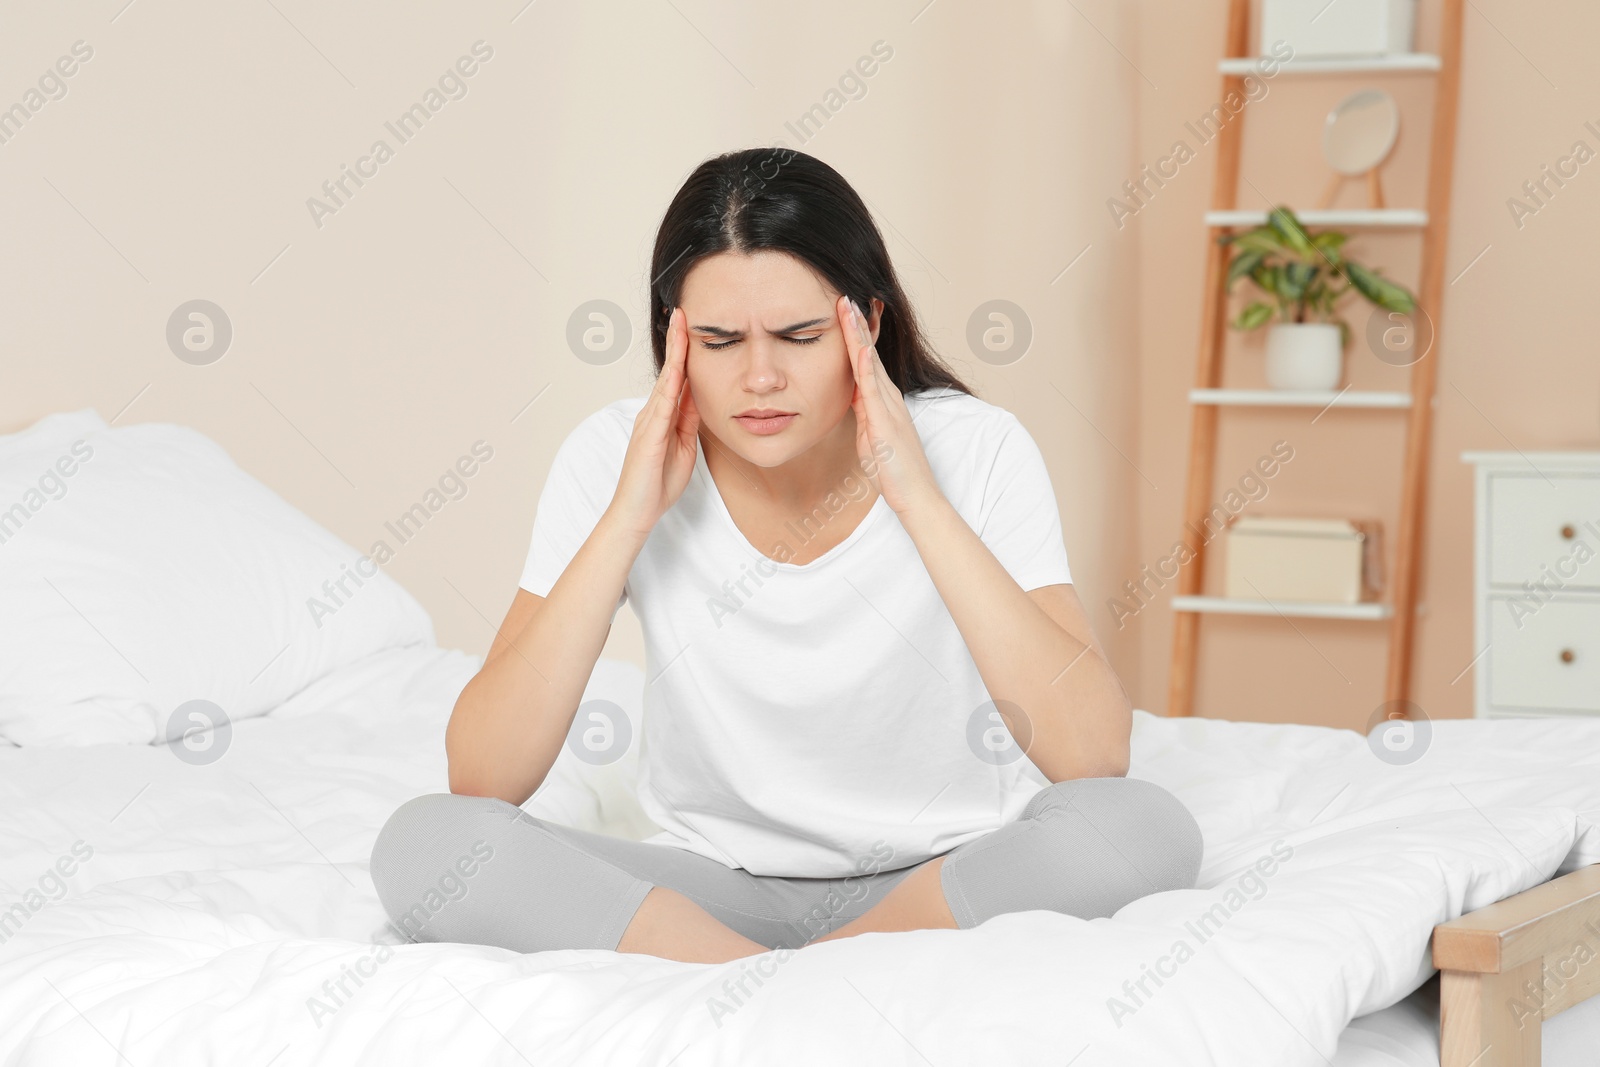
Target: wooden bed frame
{"x": 1506, "y": 968}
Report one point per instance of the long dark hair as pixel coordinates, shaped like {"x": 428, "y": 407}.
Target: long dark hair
{"x": 777, "y": 199}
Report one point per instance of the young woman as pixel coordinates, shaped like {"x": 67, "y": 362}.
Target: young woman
{"x": 857, "y": 614}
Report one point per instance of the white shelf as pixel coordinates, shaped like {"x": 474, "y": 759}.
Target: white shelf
{"x": 1537, "y": 459}
{"x": 1222, "y": 605}
{"x": 1410, "y": 61}
{"x": 1363, "y": 218}
{"x": 1295, "y": 398}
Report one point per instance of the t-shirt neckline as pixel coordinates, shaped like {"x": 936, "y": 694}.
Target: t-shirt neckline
{"x": 721, "y": 506}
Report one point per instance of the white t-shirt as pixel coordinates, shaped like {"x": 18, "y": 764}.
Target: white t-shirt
{"x": 800, "y": 718}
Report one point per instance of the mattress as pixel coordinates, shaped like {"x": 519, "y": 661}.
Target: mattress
{"x": 221, "y": 911}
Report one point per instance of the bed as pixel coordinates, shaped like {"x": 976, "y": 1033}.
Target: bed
{"x": 181, "y": 889}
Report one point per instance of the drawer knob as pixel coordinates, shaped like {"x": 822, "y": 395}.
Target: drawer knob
{"x": 1567, "y": 532}
{"x": 1567, "y": 655}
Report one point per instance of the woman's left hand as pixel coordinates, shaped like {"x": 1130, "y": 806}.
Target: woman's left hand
{"x": 887, "y": 444}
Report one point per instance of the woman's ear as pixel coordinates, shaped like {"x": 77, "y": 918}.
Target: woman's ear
{"x": 875, "y": 318}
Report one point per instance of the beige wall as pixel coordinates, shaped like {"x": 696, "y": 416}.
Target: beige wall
{"x": 1518, "y": 368}
{"x": 375, "y": 345}
{"x": 428, "y": 311}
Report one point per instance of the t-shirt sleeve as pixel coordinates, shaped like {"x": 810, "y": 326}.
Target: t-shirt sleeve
{"x": 582, "y": 479}
{"x": 1021, "y": 523}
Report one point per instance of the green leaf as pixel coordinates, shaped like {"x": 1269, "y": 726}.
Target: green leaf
{"x": 1254, "y": 314}
{"x": 1269, "y": 276}
{"x": 1296, "y": 278}
{"x": 1244, "y": 263}
{"x": 1379, "y": 290}
{"x": 1261, "y": 239}
{"x": 1282, "y": 220}
{"x": 1330, "y": 243}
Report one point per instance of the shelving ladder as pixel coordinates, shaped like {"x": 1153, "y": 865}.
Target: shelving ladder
{"x": 1207, "y": 399}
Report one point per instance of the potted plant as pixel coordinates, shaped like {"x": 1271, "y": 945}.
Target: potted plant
{"x": 1304, "y": 276}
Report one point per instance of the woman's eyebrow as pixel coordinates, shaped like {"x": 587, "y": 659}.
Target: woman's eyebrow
{"x": 718, "y": 331}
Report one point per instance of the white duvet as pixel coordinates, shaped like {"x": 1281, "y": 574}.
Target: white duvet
{"x": 223, "y": 913}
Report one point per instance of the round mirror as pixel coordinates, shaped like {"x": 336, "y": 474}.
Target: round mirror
{"x": 1361, "y": 131}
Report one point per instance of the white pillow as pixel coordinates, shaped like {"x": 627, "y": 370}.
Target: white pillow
{"x": 140, "y": 569}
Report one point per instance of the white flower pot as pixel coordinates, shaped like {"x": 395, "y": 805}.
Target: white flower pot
{"x": 1304, "y": 355}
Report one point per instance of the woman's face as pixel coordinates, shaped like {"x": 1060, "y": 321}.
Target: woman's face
{"x": 764, "y": 338}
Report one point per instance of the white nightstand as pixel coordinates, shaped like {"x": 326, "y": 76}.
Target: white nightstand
{"x": 1536, "y": 583}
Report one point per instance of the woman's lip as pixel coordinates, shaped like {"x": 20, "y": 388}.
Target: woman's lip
{"x": 768, "y": 425}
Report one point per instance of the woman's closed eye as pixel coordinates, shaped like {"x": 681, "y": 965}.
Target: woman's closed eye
{"x": 792, "y": 340}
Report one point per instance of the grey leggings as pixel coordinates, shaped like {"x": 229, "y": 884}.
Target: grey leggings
{"x": 482, "y": 871}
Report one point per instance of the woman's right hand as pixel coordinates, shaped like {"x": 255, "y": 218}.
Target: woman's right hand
{"x": 662, "y": 449}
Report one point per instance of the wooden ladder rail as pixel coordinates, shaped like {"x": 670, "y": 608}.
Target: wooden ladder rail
{"x": 1208, "y": 375}
{"x": 1424, "y": 373}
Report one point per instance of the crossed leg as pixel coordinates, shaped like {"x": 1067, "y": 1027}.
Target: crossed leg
{"x": 1084, "y": 847}
{"x": 916, "y": 903}
{"x": 671, "y": 925}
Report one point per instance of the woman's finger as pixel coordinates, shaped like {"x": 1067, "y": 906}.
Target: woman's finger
{"x": 677, "y": 349}
{"x": 669, "y": 384}
{"x": 863, "y": 335}
{"x": 851, "y": 332}
{"x": 688, "y": 416}
{"x": 868, "y": 378}
{"x": 852, "y": 341}
{"x": 857, "y": 341}
{"x": 888, "y": 393}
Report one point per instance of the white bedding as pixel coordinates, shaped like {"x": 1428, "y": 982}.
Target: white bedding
{"x": 220, "y": 898}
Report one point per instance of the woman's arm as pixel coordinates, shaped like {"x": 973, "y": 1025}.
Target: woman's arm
{"x": 1034, "y": 650}
{"x": 512, "y": 718}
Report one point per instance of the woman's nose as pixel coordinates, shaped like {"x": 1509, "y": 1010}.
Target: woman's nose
{"x": 761, "y": 370}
